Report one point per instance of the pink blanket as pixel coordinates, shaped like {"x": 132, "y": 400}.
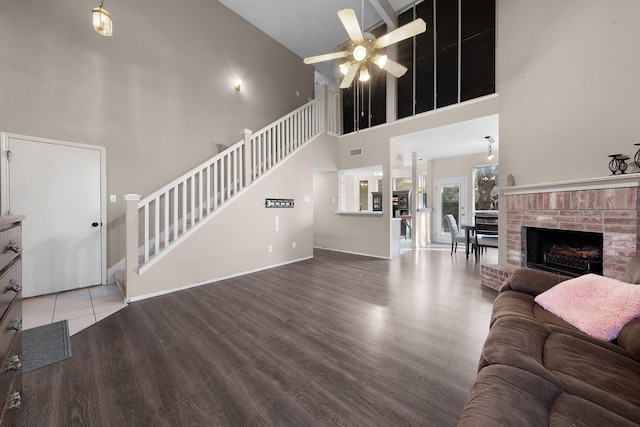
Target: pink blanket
{"x": 597, "y": 305}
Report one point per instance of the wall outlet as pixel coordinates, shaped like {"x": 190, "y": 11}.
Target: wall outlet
{"x": 269, "y": 248}
{"x": 294, "y": 245}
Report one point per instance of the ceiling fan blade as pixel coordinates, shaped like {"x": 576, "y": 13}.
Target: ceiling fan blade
{"x": 350, "y": 23}
{"x": 409, "y": 30}
{"x": 326, "y": 57}
{"x": 351, "y": 74}
{"x": 394, "y": 68}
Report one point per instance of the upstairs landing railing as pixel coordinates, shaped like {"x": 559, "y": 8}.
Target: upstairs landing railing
{"x": 160, "y": 221}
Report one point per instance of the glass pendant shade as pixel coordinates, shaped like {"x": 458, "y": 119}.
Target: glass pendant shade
{"x": 380, "y": 60}
{"x": 364, "y": 74}
{"x": 102, "y": 22}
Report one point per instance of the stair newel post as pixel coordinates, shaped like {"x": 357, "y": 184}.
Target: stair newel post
{"x": 248, "y": 170}
{"x": 131, "y": 241}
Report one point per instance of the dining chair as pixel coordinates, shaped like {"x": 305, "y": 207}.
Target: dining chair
{"x": 456, "y": 235}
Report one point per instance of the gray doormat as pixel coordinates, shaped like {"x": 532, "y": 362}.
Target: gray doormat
{"x": 44, "y": 345}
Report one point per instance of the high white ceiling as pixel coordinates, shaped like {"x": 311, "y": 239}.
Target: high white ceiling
{"x": 311, "y": 27}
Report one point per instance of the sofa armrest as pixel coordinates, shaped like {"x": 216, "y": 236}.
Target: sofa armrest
{"x": 532, "y": 282}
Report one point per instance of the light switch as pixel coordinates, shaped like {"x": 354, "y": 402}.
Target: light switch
{"x": 113, "y": 198}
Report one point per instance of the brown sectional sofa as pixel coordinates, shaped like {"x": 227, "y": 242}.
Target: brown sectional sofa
{"x": 538, "y": 370}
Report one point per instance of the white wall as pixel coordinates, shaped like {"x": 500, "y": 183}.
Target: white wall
{"x": 158, "y": 94}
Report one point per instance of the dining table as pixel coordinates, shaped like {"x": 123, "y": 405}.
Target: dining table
{"x": 468, "y": 231}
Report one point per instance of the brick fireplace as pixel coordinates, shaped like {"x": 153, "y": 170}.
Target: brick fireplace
{"x": 606, "y": 205}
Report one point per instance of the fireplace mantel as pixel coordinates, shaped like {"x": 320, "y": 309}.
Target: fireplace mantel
{"x": 612, "y": 181}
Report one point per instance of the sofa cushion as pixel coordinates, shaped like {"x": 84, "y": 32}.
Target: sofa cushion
{"x": 532, "y": 282}
{"x": 512, "y": 303}
{"x": 597, "y": 305}
{"x": 592, "y": 369}
{"x": 507, "y": 396}
{"x": 629, "y": 338}
{"x": 594, "y": 373}
{"x": 518, "y": 342}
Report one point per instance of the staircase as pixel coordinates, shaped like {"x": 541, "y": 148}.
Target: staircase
{"x": 160, "y": 221}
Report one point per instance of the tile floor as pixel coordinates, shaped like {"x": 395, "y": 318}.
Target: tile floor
{"x": 81, "y": 307}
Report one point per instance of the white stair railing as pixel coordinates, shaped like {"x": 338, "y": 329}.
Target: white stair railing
{"x": 276, "y": 141}
{"x": 169, "y": 215}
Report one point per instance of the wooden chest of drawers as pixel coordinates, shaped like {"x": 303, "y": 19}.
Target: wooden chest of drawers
{"x": 10, "y": 317}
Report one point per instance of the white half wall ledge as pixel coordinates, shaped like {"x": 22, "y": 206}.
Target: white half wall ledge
{"x": 131, "y": 197}
{"x": 362, "y": 213}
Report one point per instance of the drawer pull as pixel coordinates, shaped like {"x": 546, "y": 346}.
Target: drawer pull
{"x": 14, "y": 400}
{"x": 14, "y": 286}
{"x": 13, "y": 246}
{"x": 15, "y": 325}
{"x": 14, "y": 363}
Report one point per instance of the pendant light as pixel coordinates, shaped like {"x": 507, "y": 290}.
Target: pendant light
{"x": 102, "y": 22}
{"x": 490, "y": 140}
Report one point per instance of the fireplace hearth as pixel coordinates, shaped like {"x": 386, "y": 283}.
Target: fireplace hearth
{"x": 567, "y": 252}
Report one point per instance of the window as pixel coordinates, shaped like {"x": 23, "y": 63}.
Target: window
{"x": 453, "y": 61}
{"x": 462, "y": 34}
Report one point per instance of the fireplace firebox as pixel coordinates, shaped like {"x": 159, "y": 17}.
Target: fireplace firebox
{"x": 571, "y": 253}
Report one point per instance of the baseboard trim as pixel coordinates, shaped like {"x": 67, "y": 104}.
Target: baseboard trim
{"x": 207, "y": 282}
{"x": 351, "y": 252}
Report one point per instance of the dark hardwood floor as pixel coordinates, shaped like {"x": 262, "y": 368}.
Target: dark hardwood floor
{"x": 336, "y": 340}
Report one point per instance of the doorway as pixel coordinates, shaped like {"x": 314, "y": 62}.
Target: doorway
{"x": 451, "y": 198}
{"x": 60, "y": 187}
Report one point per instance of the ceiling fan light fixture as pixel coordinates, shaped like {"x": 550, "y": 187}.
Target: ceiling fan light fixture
{"x": 380, "y": 60}
{"x": 102, "y": 22}
{"x": 359, "y": 53}
{"x": 364, "y": 74}
{"x": 364, "y": 47}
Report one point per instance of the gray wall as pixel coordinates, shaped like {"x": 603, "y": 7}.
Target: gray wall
{"x": 158, "y": 94}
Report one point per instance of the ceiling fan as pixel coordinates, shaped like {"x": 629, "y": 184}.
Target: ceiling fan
{"x": 365, "y": 46}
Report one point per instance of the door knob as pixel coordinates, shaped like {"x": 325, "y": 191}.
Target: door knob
{"x": 94, "y": 224}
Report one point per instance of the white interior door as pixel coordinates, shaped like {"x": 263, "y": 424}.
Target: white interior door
{"x": 58, "y": 186}
{"x": 451, "y": 198}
